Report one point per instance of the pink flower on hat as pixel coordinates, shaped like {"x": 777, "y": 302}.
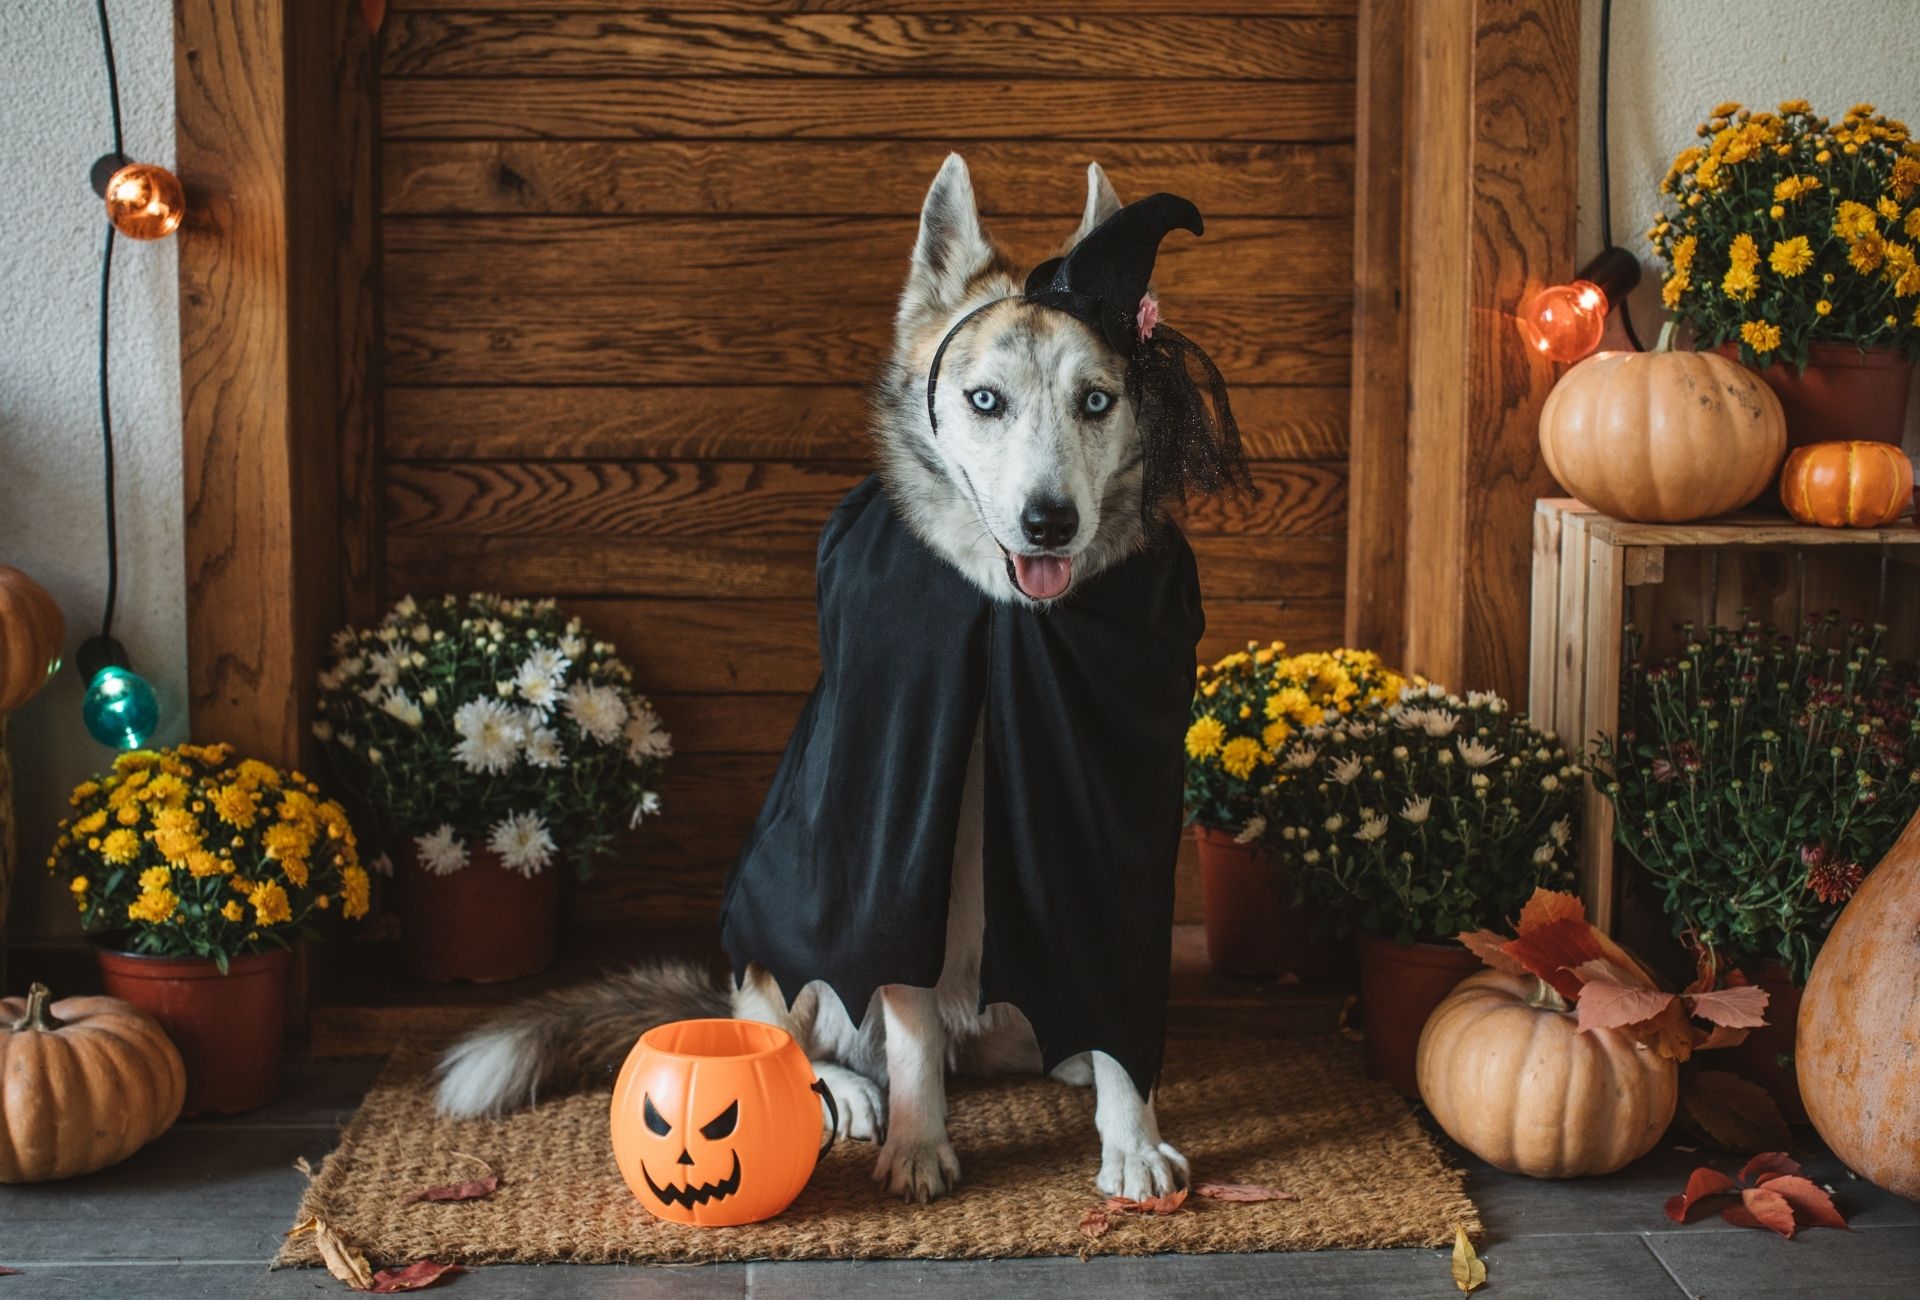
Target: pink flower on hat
{"x": 1147, "y": 317}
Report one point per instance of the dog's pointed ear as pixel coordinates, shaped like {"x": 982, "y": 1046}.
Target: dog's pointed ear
{"x": 1102, "y": 202}
{"x": 952, "y": 247}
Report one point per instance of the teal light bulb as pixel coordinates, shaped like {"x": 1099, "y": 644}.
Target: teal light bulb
{"x": 119, "y": 708}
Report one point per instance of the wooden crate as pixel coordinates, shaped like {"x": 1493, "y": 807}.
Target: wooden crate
{"x": 1594, "y": 576}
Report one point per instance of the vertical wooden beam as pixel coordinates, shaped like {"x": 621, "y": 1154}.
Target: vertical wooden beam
{"x": 1490, "y": 219}
{"x": 259, "y": 88}
{"x": 1377, "y": 476}
{"x": 356, "y": 196}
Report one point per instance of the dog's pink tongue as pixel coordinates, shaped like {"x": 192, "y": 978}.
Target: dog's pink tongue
{"x": 1043, "y": 576}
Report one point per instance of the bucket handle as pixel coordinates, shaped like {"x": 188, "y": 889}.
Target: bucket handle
{"x": 833, "y": 1112}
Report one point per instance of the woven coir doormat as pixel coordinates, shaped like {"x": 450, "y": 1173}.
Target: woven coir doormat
{"x": 1292, "y": 1111}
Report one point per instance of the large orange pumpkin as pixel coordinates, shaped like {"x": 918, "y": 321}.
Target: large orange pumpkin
{"x": 716, "y": 1122}
{"x": 84, "y": 1083}
{"x": 1857, "y": 1049}
{"x": 1847, "y": 484}
{"x": 1509, "y": 1076}
{"x": 1662, "y": 437}
{"x": 31, "y": 632}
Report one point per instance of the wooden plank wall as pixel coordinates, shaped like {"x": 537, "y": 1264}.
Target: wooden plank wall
{"x": 637, "y": 261}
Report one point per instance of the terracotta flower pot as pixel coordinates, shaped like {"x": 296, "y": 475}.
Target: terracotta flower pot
{"x": 483, "y": 923}
{"x": 1400, "y": 985}
{"x": 227, "y": 1027}
{"x": 1254, "y": 929}
{"x": 1766, "y": 1057}
{"x": 1843, "y": 393}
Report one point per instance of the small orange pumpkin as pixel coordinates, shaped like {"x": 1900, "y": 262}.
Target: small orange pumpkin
{"x": 716, "y": 1122}
{"x": 1507, "y": 1073}
{"x": 1847, "y": 484}
{"x": 84, "y": 1083}
{"x": 31, "y": 631}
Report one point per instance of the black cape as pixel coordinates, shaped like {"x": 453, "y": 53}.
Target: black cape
{"x": 844, "y": 877}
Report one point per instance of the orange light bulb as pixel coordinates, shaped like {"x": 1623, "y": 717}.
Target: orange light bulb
{"x": 145, "y": 201}
{"x": 1565, "y": 321}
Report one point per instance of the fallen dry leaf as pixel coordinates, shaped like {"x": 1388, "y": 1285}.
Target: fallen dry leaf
{"x": 1760, "y": 1208}
{"x": 417, "y": 1276}
{"x": 1468, "y": 1269}
{"x": 1768, "y": 1162}
{"x": 1348, "y": 1030}
{"x": 1096, "y": 1223}
{"x": 1731, "y": 1113}
{"x": 1702, "y": 1185}
{"x": 341, "y": 1257}
{"x": 1248, "y": 1192}
{"x": 1812, "y": 1204}
{"x": 8, "y": 1272}
{"x": 1168, "y": 1204}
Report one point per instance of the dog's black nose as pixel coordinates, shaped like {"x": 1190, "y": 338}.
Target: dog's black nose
{"x": 1050, "y": 523}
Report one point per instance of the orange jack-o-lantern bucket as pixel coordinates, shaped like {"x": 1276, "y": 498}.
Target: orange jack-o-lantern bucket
{"x": 717, "y": 1122}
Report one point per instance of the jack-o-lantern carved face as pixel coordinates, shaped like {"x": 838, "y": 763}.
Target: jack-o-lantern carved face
{"x": 716, "y": 1121}
{"x": 681, "y": 1188}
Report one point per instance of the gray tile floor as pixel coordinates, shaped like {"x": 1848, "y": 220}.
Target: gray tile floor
{"x": 199, "y": 1212}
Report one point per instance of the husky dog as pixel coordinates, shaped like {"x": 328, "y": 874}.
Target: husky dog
{"x": 1033, "y": 484}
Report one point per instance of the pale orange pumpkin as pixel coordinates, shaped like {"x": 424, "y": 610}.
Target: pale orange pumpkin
{"x": 31, "y": 633}
{"x": 1859, "y": 1022}
{"x": 1662, "y": 437}
{"x": 1847, "y": 484}
{"x": 1509, "y": 1076}
{"x": 84, "y": 1083}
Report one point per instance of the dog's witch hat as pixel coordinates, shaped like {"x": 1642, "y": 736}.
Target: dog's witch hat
{"x": 1191, "y": 441}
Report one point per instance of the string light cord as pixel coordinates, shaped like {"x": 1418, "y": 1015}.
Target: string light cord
{"x": 106, "y": 301}
{"x": 1606, "y": 179}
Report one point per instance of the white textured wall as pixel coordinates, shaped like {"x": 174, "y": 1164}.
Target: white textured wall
{"x": 1673, "y": 60}
{"x": 54, "y": 122}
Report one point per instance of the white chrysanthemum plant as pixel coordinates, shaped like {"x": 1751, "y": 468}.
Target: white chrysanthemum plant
{"x": 1438, "y": 815}
{"x": 477, "y": 722}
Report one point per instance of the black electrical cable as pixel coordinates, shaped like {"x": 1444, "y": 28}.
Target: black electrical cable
{"x": 1606, "y": 180}
{"x": 106, "y": 297}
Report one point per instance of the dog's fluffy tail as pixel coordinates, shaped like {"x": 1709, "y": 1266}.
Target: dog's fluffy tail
{"x": 570, "y": 1037}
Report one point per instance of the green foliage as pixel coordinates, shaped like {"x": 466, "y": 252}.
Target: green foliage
{"x": 1759, "y": 777}
{"x": 1434, "y": 816}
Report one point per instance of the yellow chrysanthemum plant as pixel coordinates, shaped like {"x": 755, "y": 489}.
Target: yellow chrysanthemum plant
{"x": 1247, "y": 705}
{"x": 190, "y": 852}
{"x": 1783, "y": 230}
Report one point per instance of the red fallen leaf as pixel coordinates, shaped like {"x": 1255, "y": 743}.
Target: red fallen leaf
{"x": 1731, "y": 1113}
{"x": 8, "y": 1272}
{"x": 1761, "y": 1208}
{"x": 1548, "y": 905}
{"x": 1167, "y": 1204}
{"x": 1768, "y": 1162}
{"x": 1096, "y": 1222}
{"x": 471, "y": 1191}
{"x": 375, "y": 12}
{"x": 1248, "y": 1192}
{"x": 1719, "y": 1036}
{"x": 1812, "y": 1206}
{"x": 1742, "y": 1007}
{"x": 417, "y": 1276}
{"x": 1702, "y": 1184}
{"x": 1606, "y": 1005}
{"x": 1552, "y": 949}
{"x": 1489, "y": 948}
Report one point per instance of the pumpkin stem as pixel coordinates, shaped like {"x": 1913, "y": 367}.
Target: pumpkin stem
{"x": 1545, "y": 997}
{"x": 1667, "y": 330}
{"x": 38, "y": 1017}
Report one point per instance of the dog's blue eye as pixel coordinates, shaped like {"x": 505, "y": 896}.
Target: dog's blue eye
{"x": 1097, "y": 402}
{"x": 984, "y": 400}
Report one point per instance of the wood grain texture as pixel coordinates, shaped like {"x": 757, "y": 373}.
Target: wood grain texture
{"x": 357, "y": 381}
{"x": 659, "y": 44}
{"x": 499, "y": 108}
{"x": 775, "y": 567}
{"x": 1491, "y": 193}
{"x": 782, "y": 262}
{"x": 848, "y": 177}
{"x": 601, "y": 500}
{"x": 1377, "y": 519}
{"x": 1305, "y": 8}
{"x": 1255, "y": 338}
{"x": 750, "y": 422}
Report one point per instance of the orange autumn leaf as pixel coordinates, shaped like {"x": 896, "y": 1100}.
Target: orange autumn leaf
{"x": 1741, "y": 1007}
{"x": 1760, "y": 1208}
{"x": 1246, "y": 1192}
{"x": 1489, "y": 948}
{"x": 1604, "y": 1004}
{"x": 417, "y": 1276}
{"x": 1551, "y": 950}
{"x": 1773, "y": 1195}
{"x": 1549, "y": 905}
{"x": 1096, "y": 1223}
{"x": 1812, "y": 1206}
{"x": 375, "y": 12}
{"x": 1768, "y": 1162}
{"x": 1168, "y": 1204}
{"x": 1703, "y": 1184}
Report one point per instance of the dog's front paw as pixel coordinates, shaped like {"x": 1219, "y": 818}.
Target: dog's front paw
{"x": 917, "y": 1171}
{"x": 1142, "y": 1171}
{"x": 861, "y": 1106}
